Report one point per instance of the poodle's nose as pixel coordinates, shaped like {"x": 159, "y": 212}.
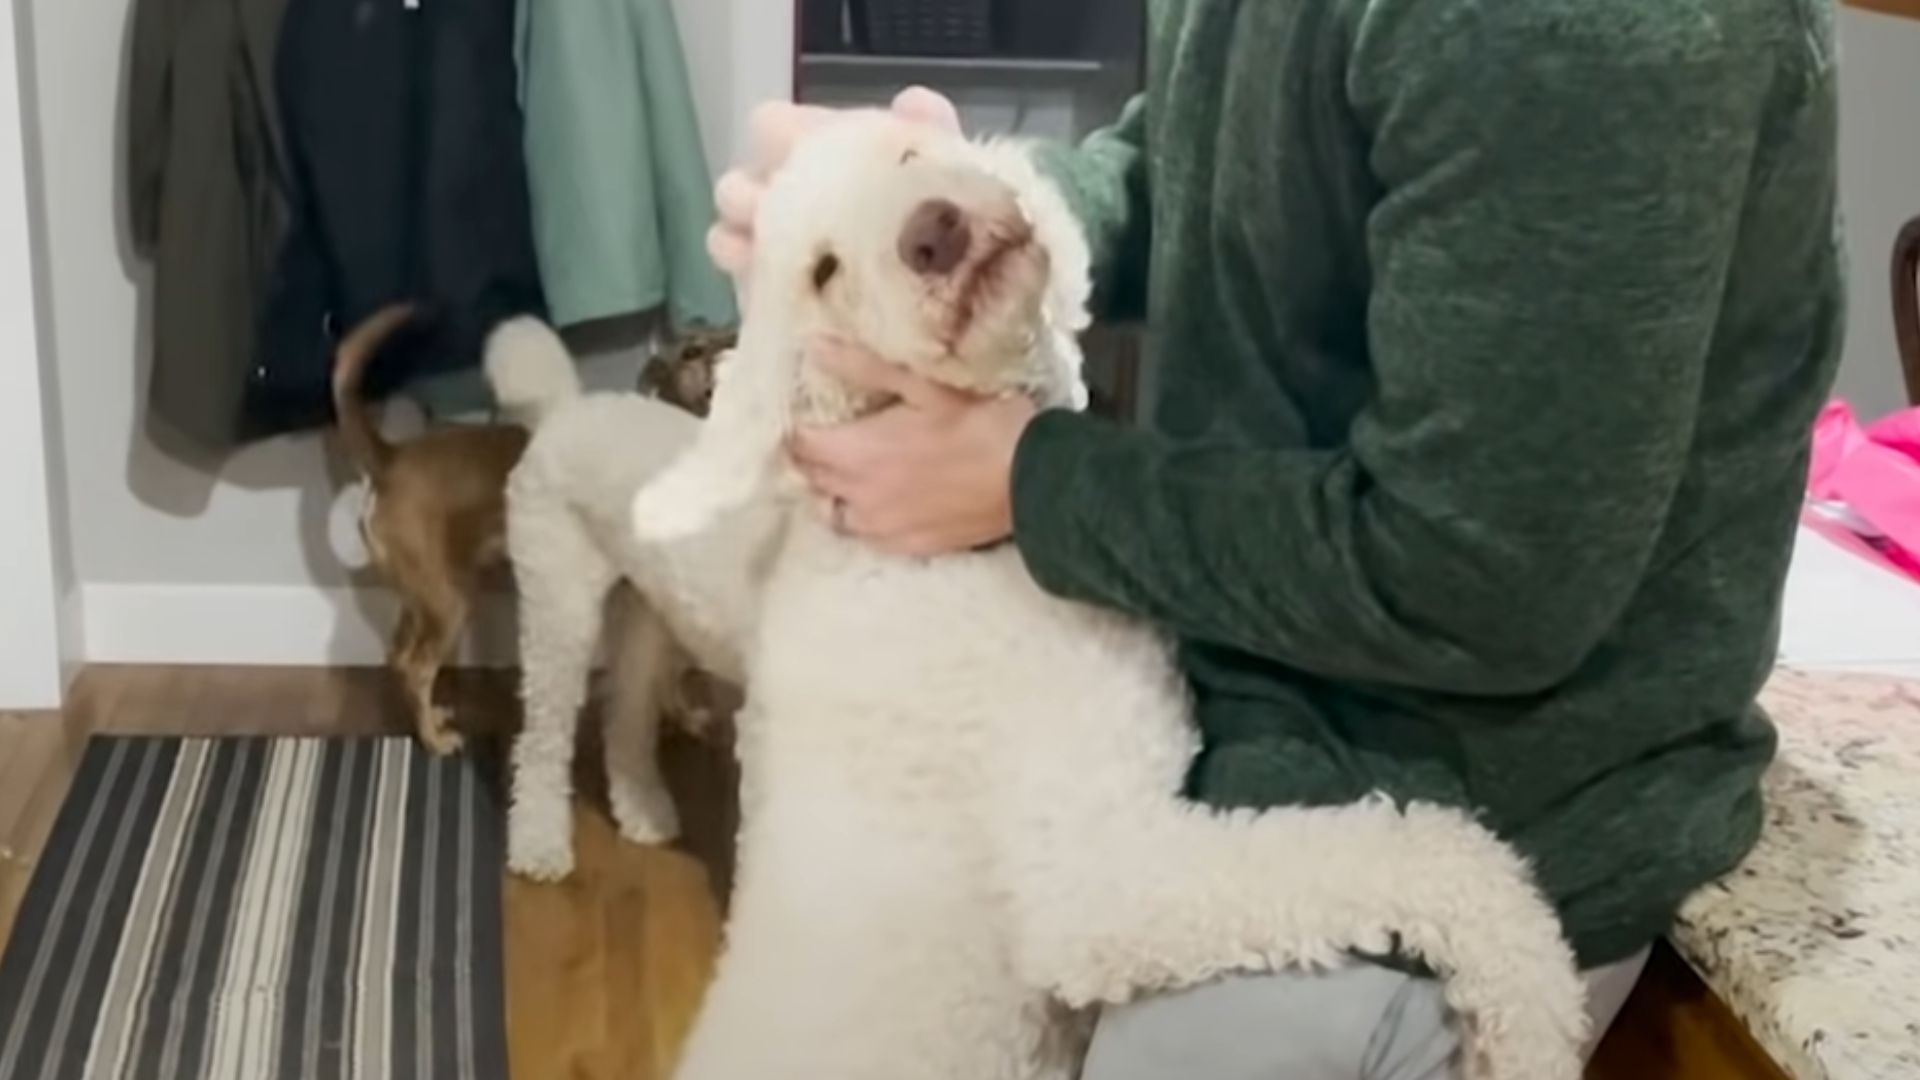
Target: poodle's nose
{"x": 935, "y": 238}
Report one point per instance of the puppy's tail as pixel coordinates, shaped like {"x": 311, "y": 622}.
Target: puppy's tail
{"x": 358, "y": 433}
{"x": 530, "y": 370}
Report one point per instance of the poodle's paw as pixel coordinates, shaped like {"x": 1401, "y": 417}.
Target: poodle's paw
{"x": 691, "y": 704}
{"x": 437, "y": 734}
{"x": 539, "y": 845}
{"x": 644, "y": 810}
{"x": 543, "y": 860}
{"x": 695, "y": 720}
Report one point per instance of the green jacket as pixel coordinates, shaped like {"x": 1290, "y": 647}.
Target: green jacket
{"x": 1487, "y": 338}
{"x": 622, "y": 196}
{"x": 619, "y": 186}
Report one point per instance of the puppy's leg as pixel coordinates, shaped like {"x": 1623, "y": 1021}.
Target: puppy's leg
{"x": 563, "y": 579}
{"x": 406, "y": 632}
{"x": 643, "y": 671}
{"x": 405, "y": 629}
{"x": 436, "y": 614}
{"x": 400, "y": 655}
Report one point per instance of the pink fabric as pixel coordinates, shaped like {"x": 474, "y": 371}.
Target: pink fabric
{"x": 1873, "y": 472}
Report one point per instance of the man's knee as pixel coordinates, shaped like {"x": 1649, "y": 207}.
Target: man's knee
{"x": 1360, "y": 1023}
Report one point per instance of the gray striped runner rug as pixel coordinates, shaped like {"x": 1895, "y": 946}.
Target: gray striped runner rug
{"x": 262, "y": 909}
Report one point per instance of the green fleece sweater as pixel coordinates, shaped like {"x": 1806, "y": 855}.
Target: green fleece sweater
{"x": 1487, "y": 337}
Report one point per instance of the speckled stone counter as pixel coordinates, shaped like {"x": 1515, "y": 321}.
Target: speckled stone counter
{"x": 1815, "y": 941}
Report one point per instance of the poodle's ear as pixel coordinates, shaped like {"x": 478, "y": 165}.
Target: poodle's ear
{"x": 1069, "y": 292}
{"x": 740, "y": 444}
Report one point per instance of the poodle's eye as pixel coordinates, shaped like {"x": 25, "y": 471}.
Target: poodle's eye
{"x": 823, "y": 270}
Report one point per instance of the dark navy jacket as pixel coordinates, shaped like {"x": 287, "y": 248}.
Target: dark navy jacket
{"x": 406, "y": 181}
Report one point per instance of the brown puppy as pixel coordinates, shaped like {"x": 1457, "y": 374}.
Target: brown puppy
{"x": 681, "y": 372}
{"x": 434, "y": 523}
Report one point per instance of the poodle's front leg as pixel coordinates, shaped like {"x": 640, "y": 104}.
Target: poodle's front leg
{"x": 708, "y": 589}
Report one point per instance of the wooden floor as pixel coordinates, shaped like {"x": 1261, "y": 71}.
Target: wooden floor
{"x": 604, "y": 972}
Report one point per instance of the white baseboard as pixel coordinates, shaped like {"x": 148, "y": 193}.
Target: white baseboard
{"x": 73, "y": 633}
{"x": 295, "y": 625}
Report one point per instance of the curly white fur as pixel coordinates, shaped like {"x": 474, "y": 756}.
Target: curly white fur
{"x": 578, "y": 569}
{"x": 961, "y": 815}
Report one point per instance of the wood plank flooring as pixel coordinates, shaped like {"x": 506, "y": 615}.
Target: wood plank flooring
{"x": 1673, "y": 1026}
{"x": 604, "y": 972}
{"x": 38, "y": 754}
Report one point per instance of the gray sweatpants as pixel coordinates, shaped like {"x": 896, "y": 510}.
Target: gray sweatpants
{"x": 1363, "y": 1023}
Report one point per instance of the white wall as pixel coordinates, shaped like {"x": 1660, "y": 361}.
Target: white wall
{"x": 1880, "y": 189}
{"x": 36, "y": 578}
{"x": 229, "y": 561}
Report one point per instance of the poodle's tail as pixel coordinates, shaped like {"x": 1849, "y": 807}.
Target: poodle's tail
{"x": 358, "y": 433}
{"x": 530, "y": 370}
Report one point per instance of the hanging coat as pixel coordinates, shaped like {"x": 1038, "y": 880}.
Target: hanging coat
{"x": 204, "y": 198}
{"x": 622, "y": 196}
{"x": 403, "y": 133}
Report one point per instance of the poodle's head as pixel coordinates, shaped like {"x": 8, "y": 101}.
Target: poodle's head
{"x": 953, "y": 258}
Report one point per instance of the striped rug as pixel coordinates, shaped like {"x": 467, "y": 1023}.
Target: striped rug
{"x": 253, "y": 909}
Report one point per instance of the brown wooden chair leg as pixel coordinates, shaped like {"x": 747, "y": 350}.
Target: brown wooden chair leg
{"x": 1906, "y": 305}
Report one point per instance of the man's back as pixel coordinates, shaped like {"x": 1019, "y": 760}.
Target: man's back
{"x": 1551, "y": 293}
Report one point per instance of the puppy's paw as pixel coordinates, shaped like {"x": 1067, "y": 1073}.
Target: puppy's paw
{"x": 437, "y": 734}
{"x": 539, "y": 845}
{"x": 644, "y": 810}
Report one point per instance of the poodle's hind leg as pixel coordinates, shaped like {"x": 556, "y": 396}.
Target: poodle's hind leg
{"x": 563, "y": 580}
{"x": 644, "y": 667}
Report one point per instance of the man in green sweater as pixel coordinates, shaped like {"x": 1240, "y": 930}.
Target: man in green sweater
{"x": 1487, "y": 339}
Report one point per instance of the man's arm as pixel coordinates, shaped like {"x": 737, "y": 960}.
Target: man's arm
{"x": 1562, "y": 196}
{"x": 1104, "y": 179}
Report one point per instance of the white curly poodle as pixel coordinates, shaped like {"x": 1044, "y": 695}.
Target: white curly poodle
{"x": 579, "y": 568}
{"x": 962, "y": 825}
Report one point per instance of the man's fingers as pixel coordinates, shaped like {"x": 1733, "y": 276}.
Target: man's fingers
{"x": 825, "y": 456}
{"x": 827, "y": 484}
{"x": 730, "y": 241}
{"x": 737, "y": 198}
{"x": 730, "y": 251}
{"x": 775, "y": 126}
{"x": 923, "y": 106}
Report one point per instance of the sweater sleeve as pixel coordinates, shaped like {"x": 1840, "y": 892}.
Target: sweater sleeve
{"x": 1558, "y": 212}
{"x": 1104, "y": 179}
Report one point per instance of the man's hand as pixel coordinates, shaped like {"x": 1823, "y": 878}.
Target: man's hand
{"x": 779, "y": 126}
{"x": 929, "y": 475}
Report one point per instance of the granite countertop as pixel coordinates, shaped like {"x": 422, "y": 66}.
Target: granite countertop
{"x": 1815, "y": 941}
